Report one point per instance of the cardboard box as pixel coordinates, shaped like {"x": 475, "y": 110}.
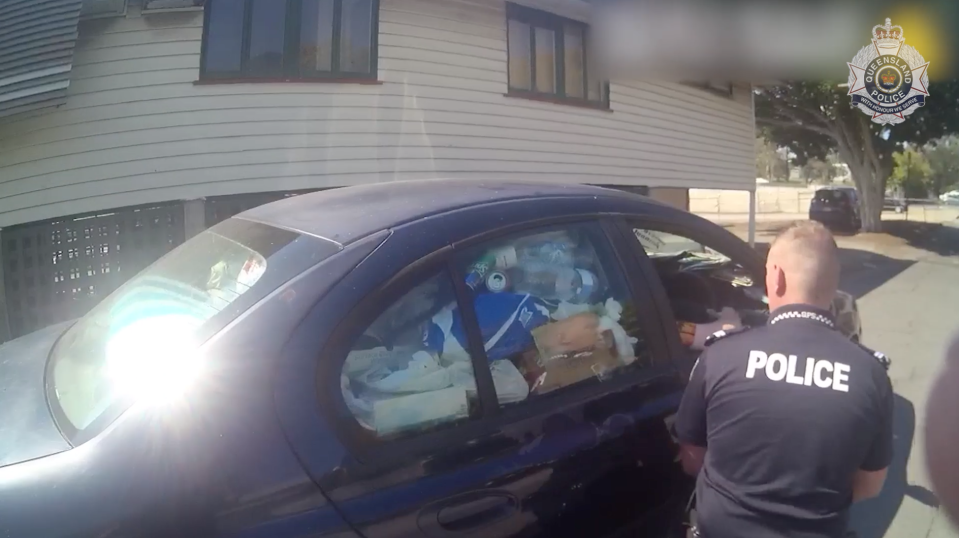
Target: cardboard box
{"x": 568, "y": 352}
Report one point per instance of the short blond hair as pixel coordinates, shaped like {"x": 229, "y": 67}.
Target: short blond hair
{"x": 808, "y": 253}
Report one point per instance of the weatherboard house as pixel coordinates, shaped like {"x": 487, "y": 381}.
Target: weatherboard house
{"x": 128, "y": 125}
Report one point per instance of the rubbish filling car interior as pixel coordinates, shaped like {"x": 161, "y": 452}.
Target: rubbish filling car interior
{"x": 549, "y": 318}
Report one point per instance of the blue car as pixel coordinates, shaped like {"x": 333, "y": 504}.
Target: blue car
{"x": 404, "y": 360}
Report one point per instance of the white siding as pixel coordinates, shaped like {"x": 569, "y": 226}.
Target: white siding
{"x": 136, "y": 129}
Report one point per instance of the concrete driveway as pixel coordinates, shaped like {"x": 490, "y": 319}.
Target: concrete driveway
{"x": 907, "y": 284}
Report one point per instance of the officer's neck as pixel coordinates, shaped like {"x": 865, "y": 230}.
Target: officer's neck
{"x": 802, "y": 311}
{"x": 777, "y": 303}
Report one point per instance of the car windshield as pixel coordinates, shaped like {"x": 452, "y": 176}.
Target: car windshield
{"x": 661, "y": 244}
{"x": 159, "y": 316}
{"x": 831, "y": 196}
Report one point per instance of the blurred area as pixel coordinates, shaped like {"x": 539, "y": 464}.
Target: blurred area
{"x": 764, "y": 41}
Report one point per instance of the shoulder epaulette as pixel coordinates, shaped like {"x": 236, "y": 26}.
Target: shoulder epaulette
{"x": 725, "y": 333}
{"x": 883, "y": 360}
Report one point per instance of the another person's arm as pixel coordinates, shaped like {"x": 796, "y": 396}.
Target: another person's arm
{"x": 691, "y": 420}
{"x": 867, "y": 482}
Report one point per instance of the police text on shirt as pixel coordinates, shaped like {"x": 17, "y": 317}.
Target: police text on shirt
{"x": 818, "y": 372}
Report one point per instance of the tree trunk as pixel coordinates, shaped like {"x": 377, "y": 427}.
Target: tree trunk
{"x": 871, "y": 195}
{"x": 856, "y": 148}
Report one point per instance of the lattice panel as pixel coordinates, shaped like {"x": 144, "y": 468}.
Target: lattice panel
{"x": 58, "y": 270}
{"x": 220, "y": 208}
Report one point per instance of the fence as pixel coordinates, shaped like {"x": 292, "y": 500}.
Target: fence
{"x": 792, "y": 203}
{"x": 59, "y": 269}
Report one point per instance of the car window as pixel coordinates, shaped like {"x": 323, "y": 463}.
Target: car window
{"x": 831, "y": 195}
{"x": 706, "y": 289}
{"x": 409, "y": 371}
{"x": 554, "y": 311}
{"x": 138, "y": 339}
{"x": 657, "y": 243}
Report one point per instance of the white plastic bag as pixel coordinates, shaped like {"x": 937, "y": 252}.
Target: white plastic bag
{"x": 420, "y": 410}
{"x": 423, "y": 374}
{"x": 362, "y": 410}
{"x": 509, "y": 382}
{"x": 566, "y": 309}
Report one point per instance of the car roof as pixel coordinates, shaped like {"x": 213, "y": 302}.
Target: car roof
{"x": 836, "y": 188}
{"x": 350, "y": 213}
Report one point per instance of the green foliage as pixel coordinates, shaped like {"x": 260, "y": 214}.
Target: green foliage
{"x": 911, "y": 172}
{"x": 818, "y": 171}
{"x": 943, "y": 158}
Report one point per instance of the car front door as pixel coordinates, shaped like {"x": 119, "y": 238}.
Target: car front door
{"x": 515, "y": 388}
{"x": 658, "y": 243}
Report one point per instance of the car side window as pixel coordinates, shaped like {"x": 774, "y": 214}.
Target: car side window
{"x": 554, "y": 310}
{"x": 706, "y": 289}
{"x": 409, "y": 371}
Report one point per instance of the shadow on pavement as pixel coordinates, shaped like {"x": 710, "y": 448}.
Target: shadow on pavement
{"x": 942, "y": 240}
{"x": 862, "y": 271}
{"x": 873, "y": 517}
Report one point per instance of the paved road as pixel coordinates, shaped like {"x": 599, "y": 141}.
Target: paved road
{"x": 908, "y": 297}
{"x": 907, "y": 283}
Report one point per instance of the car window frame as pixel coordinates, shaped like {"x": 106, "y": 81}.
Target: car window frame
{"x": 702, "y": 234}
{"x": 371, "y": 452}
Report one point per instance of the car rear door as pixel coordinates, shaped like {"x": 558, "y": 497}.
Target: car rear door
{"x": 535, "y": 448}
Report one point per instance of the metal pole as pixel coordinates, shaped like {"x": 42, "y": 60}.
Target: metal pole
{"x": 4, "y": 311}
{"x": 752, "y": 217}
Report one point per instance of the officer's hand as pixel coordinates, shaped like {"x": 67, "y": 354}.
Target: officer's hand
{"x": 728, "y": 319}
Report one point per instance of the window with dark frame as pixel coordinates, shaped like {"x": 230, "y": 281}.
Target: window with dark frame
{"x": 548, "y": 58}
{"x": 290, "y": 39}
{"x": 721, "y": 88}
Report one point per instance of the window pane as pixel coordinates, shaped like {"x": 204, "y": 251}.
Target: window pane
{"x": 574, "y": 60}
{"x": 707, "y": 291}
{"x": 224, "y": 39}
{"x": 410, "y": 370}
{"x": 657, "y": 243}
{"x": 545, "y": 61}
{"x": 356, "y": 36}
{"x": 553, "y": 306}
{"x": 266, "y": 37}
{"x": 316, "y": 36}
{"x": 140, "y": 330}
{"x": 519, "y": 57}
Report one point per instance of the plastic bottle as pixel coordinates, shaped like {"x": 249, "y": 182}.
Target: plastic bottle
{"x": 550, "y": 252}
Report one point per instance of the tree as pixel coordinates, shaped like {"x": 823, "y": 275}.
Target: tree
{"x": 818, "y": 171}
{"x": 765, "y": 157}
{"x": 812, "y": 118}
{"x": 943, "y": 158}
{"x": 911, "y": 172}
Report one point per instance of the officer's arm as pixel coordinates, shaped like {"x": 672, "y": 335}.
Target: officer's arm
{"x": 691, "y": 420}
{"x": 868, "y": 481}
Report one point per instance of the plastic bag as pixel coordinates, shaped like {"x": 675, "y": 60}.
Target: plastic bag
{"x": 509, "y": 382}
{"x": 361, "y": 409}
{"x": 422, "y": 374}
{"x": 420, "y": 410}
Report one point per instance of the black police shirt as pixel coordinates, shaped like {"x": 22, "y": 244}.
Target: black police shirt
{"x": 788, "y": 412}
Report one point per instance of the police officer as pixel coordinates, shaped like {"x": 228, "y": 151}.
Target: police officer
{"x": 789, "y": 423}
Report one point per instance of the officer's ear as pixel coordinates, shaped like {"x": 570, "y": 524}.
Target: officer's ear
{"x": 775, "y": 280}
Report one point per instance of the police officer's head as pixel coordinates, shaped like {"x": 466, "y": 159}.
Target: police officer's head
{"x": 802, "y": 267}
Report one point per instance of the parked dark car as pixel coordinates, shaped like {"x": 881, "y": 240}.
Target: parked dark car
{"x": 837, "y": 207}
{"x": 897, "y": 205}
{"x": 413, "y": 359}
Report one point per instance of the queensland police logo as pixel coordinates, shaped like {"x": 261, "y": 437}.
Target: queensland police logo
{"x": 887, "y": 79}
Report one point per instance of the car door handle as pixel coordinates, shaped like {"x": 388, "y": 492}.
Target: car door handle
{"x": 476, "y": 513}
{"x": 467, "y": 512}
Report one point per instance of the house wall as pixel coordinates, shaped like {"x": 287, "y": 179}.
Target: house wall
{"x": 136, "y": 129}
